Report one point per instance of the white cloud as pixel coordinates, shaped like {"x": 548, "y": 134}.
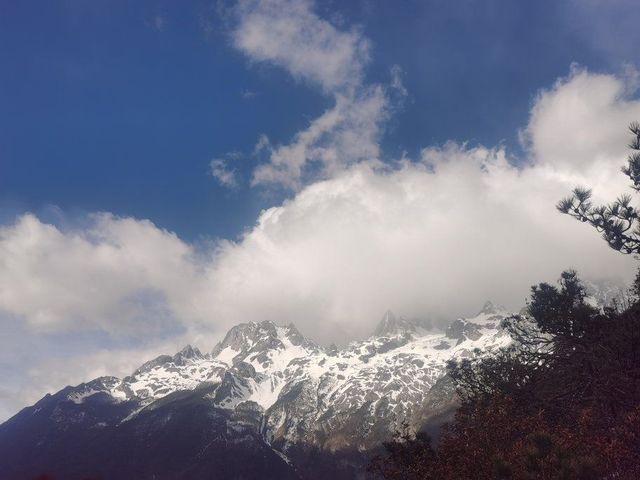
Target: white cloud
{"x": 396, "y": 80}
{"x": 345, "y": 134}
{"x": 567, "y": 126}
{"x": 118, "y": 275}
{"x": 218, "y": 169}
{"x": 248, "y": 94}
{"x": 435, "y": 238}
{"x": 289, "y": 34}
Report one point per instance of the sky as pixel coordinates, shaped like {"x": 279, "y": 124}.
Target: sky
{"x": 170, "y": 169}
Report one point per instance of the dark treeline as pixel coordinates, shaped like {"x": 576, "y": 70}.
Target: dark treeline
{"x": 563, "y": 401}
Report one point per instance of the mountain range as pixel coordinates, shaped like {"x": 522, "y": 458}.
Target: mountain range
{"x": 265, "y": 402}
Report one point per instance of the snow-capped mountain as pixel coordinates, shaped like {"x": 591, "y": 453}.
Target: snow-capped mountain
{"x": 270, "y": 386}
{"x": 304, "y": 390}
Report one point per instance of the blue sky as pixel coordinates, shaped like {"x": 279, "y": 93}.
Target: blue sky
{"x": 120, "y": 106}
{"x": 171, "y": 169}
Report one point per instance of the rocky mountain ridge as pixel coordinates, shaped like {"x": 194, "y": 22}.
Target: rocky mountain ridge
{"x": 273, "y": 387}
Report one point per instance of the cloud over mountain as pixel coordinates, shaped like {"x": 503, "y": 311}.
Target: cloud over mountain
{"x": 412, "y": 235}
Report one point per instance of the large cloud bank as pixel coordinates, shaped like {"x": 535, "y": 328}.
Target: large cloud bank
{"x": 432, "y": 237}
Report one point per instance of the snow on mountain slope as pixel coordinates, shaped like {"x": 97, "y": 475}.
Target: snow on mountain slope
{"x": 353, "y": 397}
{"x": 257, "y": 353}
{"x": 377, "y": 383}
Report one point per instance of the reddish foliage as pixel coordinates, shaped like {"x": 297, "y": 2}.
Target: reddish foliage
{"x": 499, "y": 440}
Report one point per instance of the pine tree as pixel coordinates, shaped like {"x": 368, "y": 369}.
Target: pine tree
{"x": 618, "y": 222}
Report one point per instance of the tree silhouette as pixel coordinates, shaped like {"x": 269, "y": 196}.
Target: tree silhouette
{"x": 618, "y": 222}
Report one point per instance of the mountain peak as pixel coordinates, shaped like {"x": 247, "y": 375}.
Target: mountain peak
{"x": 490, "y": 309}
{"x": 188, "y": 352}
{"x": 151, "y": 364}
{"x": 259, "y": 337}
{"x": 294, "y": 335}
{"x": 390, "y": 324}
{"x": 180, "y": 358}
